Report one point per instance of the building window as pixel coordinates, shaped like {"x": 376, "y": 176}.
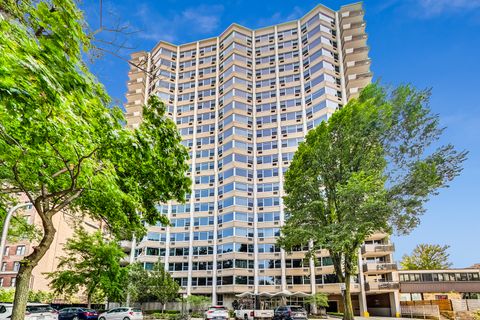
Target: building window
{"x": 13, "y": 282}
{"x": 16, "y": 266}
{"x": 20, "y": 251}
{"x": 4, "y": 266}
{"x": 6, "y": 251}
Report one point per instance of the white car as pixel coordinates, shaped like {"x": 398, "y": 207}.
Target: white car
{"x": 216, "y": 313}
{"x": 249, "y": 314}
{"x": 34, "y": 311}
{"x": 122, "y": 313}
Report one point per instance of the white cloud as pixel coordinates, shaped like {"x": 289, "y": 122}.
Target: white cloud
{"x": 204, "y": 18}
{"x": 427, "y": 8}
{"x": 199, "y": 20}
{"x": 278, "y": 17}
{"x": 437, "y": 7}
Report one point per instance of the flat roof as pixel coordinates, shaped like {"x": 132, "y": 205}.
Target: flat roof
{"x": 441, "y": 270}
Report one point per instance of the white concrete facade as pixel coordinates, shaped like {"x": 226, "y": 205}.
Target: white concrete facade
{"x": 243, "y": 102}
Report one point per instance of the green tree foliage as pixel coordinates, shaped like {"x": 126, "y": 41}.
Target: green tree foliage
{"x": 40, "y": 296}
{"x": 476, "y": 315}
{"x": 62, "y": 145}
{"x": 198, "y": 303}
{"x": 369, "y": 168}
{"x": 7, "y": 295}
{"x": 427, "y": 257}
{"x": 92, "y": 266}
{"x": 318, "y": 299}
{"x": 20, "y": 228}
{"x": 151, "y": 285}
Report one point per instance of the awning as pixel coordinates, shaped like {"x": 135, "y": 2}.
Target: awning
{"x": 266, "y": 294}
{"x": 301, "y": 294}
{"x": 244, "y": 294}
{"x": 284, "y": 293}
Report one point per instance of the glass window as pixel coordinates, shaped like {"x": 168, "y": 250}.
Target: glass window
{"x": 427, "y": 277}
{"x": 20, "y": 250}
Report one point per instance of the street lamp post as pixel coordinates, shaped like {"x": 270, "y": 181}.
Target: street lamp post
{"x": 6, "y": 224}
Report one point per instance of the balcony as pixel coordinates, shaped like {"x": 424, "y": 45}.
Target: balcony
{"x": 336, "y": 288}
{"x": 126, "y": 245}
{"x": 355, "y": 38}
{"x": 382, "y": 285}
{"x": 125, "y": 261}
{"x": 379, "y": 267}
{"x": 353, "y": 29}
{"x": 377, "y": 249}
{"x": 352, "y": 16}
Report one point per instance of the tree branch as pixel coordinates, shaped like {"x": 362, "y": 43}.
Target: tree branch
{"x": 65, "y": 203}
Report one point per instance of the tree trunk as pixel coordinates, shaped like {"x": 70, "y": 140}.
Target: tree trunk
{"x": 28, "y": 264}
{"x": 347, "y": 300}
{"x": 344, "y": 276}
{"x": 21, "y": 292}
{"x": 89, "y": 301}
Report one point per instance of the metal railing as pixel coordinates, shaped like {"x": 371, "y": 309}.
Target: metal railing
{"x": 384, "y": 285}
{"x": 420, "y": 311}
{"x": 379, "y": 267}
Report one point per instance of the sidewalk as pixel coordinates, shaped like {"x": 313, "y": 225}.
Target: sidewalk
{"x": 380, "y": 318}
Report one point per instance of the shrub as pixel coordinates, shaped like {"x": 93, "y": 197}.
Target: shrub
{"x": 476, "y": 315}
{"x": 197, "y": 314}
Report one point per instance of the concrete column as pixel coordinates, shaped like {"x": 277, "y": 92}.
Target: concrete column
{"x": 362, "y": 296}
{"x": 395, "y": 304}
{"x": 215, "y": 170}
{"x": 255, "y": 180}
{"x": 313, "y": 284}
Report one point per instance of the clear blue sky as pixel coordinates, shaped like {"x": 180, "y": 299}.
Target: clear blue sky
{"x": 430, "y": 43}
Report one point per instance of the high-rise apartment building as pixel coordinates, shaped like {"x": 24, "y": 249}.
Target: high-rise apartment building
{"x": 243, "y": 101}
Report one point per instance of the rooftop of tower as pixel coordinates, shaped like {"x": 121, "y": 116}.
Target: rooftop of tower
{"x": 235, "y": 25}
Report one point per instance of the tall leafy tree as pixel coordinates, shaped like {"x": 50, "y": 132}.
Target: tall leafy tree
{"x": 317, "y": 300}
{"x": 198, "y": 303}
{"x": 151, "y": 285}
{"x": 62, "y": 145}
{"x": 427, "y": 257}
{"x": 91, "y": 265}
{"x": 370, "y": 167}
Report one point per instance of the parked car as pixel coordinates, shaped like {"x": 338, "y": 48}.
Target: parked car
{"x": 216, "y": 313}
{"x": 123, "y": 313}
{"x": 290, "y": 313}
{"x": 34, "y": 311}
{"x": 76, "y": 313}
{"x": 5, "y": 310}
{"x": 249, "y": 314}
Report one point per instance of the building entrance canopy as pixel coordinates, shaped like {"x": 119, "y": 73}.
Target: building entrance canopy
{"x": 284, "y": 293}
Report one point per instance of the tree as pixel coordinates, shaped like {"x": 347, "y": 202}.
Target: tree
{"x": 92, "y": 265}
{"x": 318, "y": 300}
{"x": 63, "y": 146}
{"x": 7, "y": 295}
{"x": 198, "y": 303}
{"x": 476, "y": 315}
{"x": 427, "y": 257}
{"x": 151, "y": 285}
{"x": 40, "y": 296}
{"x": 369, "y": 168}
